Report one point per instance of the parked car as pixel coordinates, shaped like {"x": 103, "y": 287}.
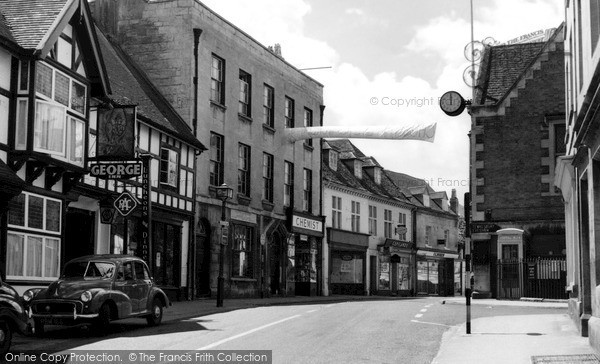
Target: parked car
{"x": 13, "y": 317}
{"x": 97, "y": 289}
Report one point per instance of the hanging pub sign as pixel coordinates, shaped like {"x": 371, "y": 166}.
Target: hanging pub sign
{"x": 116, "y": 133}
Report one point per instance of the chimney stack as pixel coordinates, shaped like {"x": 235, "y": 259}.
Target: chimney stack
{"x": 454, "y": 201}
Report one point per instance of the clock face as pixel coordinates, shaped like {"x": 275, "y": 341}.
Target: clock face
{"x": 452, "y": 103}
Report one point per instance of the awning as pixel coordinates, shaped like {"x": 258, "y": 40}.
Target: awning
{"x": 11, "y": 184}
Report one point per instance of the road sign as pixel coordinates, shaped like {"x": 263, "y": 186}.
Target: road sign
{"x": 125, "y": 203}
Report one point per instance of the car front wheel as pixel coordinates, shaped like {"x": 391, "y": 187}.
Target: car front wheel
{"x": 5, "y": 337}
{"x": 156, "y": 313}
{"x": 38, "y": 326}
{"x": 103, "y": 321}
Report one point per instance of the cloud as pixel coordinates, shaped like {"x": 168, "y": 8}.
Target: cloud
{"x": 354, "y": 11}
{"x": 348, "y": 92}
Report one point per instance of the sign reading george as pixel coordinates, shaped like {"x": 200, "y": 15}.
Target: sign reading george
{"x": 116, "y": 170}
{"x": 125, "y": 203}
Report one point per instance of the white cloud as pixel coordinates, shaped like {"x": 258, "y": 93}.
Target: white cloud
{"x": 355, "y": 11}
{"x": 348, "y": 91}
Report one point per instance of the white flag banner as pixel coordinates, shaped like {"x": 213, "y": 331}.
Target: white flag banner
{"x": 424, "y": 133}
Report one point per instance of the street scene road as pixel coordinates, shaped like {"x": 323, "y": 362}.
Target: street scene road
{"x": 393, "y": 331}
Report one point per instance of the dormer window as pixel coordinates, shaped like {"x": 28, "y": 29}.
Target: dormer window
{"x": 333, "y": 159}
{"x": 358, "y": 169}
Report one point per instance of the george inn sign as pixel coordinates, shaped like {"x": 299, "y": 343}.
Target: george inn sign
{"x": 116, "y": 170}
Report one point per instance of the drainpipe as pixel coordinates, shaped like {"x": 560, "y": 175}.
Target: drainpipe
{"x": 197, "y": 33}
{"x": 413, "y": 215}
{"x": 324, "y": 257}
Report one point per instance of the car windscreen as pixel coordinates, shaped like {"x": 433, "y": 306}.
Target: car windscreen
{"x": 89, "y": 270}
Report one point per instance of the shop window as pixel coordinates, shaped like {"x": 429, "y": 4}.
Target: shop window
{"x": 347, "y": 267}
{"x": 384, "y": 272}
{"x": 242, "y": 265}
{"x": 33, "y": 252}
{"x": 306, "y": 258}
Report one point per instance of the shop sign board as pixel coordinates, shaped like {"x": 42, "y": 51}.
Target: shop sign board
{"x": 116, "y": 170}
{"x": 307, "y": 225}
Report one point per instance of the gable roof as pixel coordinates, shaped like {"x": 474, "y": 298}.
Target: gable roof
{"x": 503, "y": 66}
{"x": 29, "y": 21}
{"x": 130, "y": 86}
{"x": 32, "y": 27}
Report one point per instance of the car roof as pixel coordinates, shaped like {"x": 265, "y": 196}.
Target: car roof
{"x": 112, "y": 257}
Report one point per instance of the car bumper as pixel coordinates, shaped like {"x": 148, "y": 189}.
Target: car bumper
{"x": 71, "y": 314}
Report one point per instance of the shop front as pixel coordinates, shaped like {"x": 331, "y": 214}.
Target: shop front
{"x": 396, "y": 268}
{"x": 435, "y": 272}
{"x": 307, "y": 243}
{"x": 348, "y": 259}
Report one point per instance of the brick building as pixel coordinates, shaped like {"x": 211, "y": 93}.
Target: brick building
{"x": 237, "y": 95}
{"x": 516, "y": 134}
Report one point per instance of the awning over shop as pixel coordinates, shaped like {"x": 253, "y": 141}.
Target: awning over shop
{"x": 437, "y": 253}
{"x": 11, "y": 184}
{"x": 396, "y": 246}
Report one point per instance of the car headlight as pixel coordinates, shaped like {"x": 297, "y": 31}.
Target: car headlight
{"x": 86, "y": 296}
{"x": 28, "y": 295}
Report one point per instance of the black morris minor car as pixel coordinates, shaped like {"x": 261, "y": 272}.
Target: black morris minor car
{"x": 97, "y": 289}
{"x": 13, "y": 317}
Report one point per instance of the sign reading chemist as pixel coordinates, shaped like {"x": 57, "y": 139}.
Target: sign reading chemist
{"x": 307, "y": 225}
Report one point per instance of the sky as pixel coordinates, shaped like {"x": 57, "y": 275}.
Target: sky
{"x": 387, "y": 62}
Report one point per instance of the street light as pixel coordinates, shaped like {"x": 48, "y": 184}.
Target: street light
{"x": 224, "y": 193}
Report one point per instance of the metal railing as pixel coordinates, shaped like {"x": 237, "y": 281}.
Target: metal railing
{"x": 540, "y": 277}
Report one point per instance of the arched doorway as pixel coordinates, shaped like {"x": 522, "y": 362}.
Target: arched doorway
{"x": 202, "y": 273}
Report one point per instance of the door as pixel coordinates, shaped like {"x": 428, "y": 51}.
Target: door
{"x": 79, "y": 235}
{"x": 203, "y": 259}
{"x": 142, "y": 285}
{"x": 275, "y": 264}
{"x": 126, "y": 283}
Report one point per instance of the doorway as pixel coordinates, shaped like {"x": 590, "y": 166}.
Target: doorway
{"x": 79, "y": 234}
{"x": 203, "y": 253}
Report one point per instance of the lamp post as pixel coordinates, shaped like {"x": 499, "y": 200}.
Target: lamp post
{"x": 224, "y": 193}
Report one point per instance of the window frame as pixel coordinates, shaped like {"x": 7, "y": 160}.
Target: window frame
{"x": 216, "y": 166}
{"x": 387, "y": 223}
{"x": 269, "y": 105}
{"x": 165, "y": 176}
{"x": 289, "y": 112}
{"x": 217, "y": 85}
{"x": 245, "y": 94}
{"x": 249, "y": 250}
{"x": 373, "y": 220}
{"x": 308, "y": 122}
{"x": 336, "y": 212}
{"x": 307, "y": 202}
{"x": 288, "y": 184}
{"x": 244, "y": 169}
{"x": 355, "y": 217}
{"x": 268, "y": 169}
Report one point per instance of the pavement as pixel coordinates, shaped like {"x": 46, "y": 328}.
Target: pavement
{"x": 537, "y": 339}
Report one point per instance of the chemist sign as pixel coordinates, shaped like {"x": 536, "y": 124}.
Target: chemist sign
{"x": 309, "y": 225}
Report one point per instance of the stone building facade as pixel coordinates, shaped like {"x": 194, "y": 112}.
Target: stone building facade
{"x": 237, "y": 96}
